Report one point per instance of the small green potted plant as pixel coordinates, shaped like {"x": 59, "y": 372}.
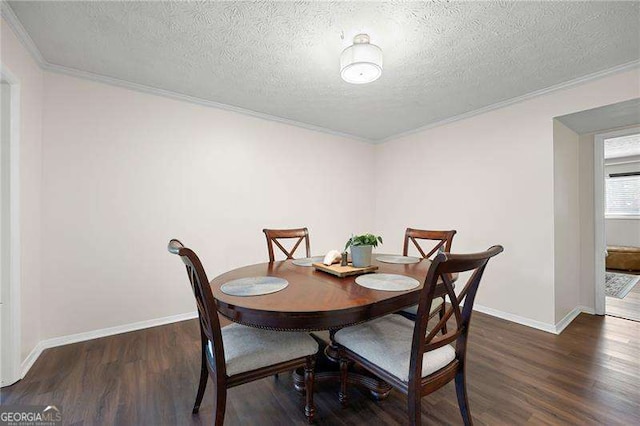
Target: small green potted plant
{"x": 361, "y": 247}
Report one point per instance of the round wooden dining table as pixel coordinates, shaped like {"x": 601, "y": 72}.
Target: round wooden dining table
{"x": 315, "y": 300}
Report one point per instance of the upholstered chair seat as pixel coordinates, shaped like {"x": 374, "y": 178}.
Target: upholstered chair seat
{"x": 237, "y": 354}
{"x": 248, "y": 348}
{"x": 410, "y": 354}
{"x": 387, "y": 342}
{"x": 435, "y": 306}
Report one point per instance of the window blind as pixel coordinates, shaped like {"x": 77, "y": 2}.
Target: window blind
{"x": 623, "y": 196}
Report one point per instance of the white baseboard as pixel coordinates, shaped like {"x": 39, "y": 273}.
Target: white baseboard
{"x": 95, "y": 334}
{"x": 110, "y": 331}
{"x": 564, "y": 322}
{"x": 549, "y": 328}
{"x": 587, "y": 309}
{"x": 31, "y": 359}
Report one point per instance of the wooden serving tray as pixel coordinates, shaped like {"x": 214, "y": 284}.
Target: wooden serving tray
{"x": 343, "y": 271}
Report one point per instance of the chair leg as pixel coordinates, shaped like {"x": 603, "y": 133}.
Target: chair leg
{"x": 463, "y": 401}
{"x": 220, "y": 405}
{"x": 309, "y": 377}
{"x": 344, "y": 364}
{"x": 441, "y": 313}
{"x": 204, "y": 377}
{"x": 415, "y": 412}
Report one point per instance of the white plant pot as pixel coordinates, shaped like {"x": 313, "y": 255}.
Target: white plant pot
{"x": 361, "y": 256}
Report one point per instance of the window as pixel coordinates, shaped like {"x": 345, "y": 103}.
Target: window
{"x": 622, "y": 196}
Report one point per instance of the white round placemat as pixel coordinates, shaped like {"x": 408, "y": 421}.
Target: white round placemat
{"x": 308, "y": 261}
{"x": 398, "y": 259}
{"x": 253, "y": 286}
{"x": 387, "y": 282}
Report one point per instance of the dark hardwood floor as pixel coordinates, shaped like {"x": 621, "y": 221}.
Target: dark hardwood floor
{"x": 517, "y": 375}
{"x": 629, "y": 307}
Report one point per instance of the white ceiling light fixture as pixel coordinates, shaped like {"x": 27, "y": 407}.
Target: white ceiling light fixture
{"x": 361, "y": 62}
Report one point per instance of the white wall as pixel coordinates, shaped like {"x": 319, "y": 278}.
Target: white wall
{"x": 566, "y": 219}
{"x": 491, "y": 177}
{"x": 587, "y": 220}
{"x": 125, "y": 171}
{"x": 18, "y": 61}
{"x": 622, "y": 232}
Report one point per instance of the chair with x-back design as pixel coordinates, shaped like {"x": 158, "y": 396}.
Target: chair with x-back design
{"x": 409, "y": 356}
{"x": 273, "y": 235}
{"x": 442, "y": 242}
{"x": 237, "y": 354}
{"x": 442, "y": 239}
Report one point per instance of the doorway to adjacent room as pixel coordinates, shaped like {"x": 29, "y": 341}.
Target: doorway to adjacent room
{"x": 622, "y": 224}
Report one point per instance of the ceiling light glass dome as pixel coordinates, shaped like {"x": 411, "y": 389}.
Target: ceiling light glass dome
{"x": 362, "y": 62}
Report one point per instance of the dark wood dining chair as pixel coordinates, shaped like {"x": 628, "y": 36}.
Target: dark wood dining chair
{"x": 440, "y": 238}
{"x": 237, "y": 354}
{"x": 409, "y": 356}
{"x": 273, "y": 235}
{"x": 442, "y": 241}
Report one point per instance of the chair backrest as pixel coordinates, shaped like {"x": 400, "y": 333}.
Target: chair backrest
{"x": 441, "y": 269}
{"x": 273, "y": 235}
{"x": 207, "y": 311}
{"x": 443, "y": 238}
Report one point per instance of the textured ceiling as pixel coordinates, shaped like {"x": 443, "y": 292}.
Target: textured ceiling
{"x": 282, "y": 58}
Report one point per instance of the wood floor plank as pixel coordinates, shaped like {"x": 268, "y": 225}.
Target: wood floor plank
{"x": 590, "y": 374}
{"x": 629, "y": 306}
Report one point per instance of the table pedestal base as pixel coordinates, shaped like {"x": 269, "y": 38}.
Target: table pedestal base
{"x": 327, "y": 369}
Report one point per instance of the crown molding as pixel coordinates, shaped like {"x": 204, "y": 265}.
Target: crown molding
{"x": 22, "y": 34}
{"x": 561, "y": 86}
{"x": 192, "y": 99}
{"x": 27, "y": 41}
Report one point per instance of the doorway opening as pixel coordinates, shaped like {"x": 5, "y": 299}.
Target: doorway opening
{"x": 621, "y": 173}
{"x": 580, "y": 159}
